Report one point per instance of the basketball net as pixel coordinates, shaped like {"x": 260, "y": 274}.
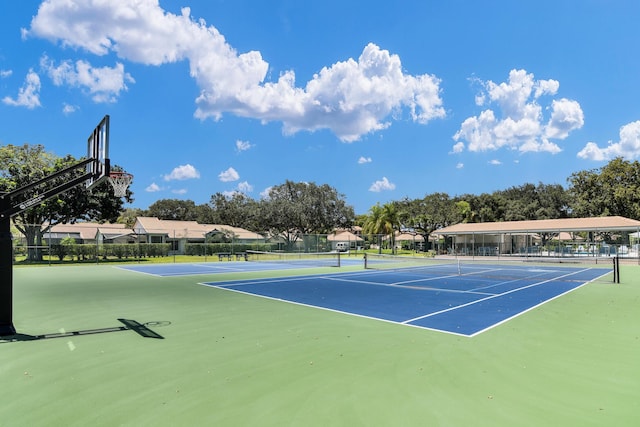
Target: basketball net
{"x": 120, "y": 181}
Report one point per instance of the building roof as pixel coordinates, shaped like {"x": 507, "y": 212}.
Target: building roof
{"x": 87, "y": 230}
{"x": 405, "y": 237}
{"x": 344, "y": 236}
{"x": 188, "y": 229}
{"x": 171, "y": 228}
{"x": 409, "y": 237}
{"x": 149, "y": 225}
{"x": 605, "y": 223}
{"x": 236, "y": 232}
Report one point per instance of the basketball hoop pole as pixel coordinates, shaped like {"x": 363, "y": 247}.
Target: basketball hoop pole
{"x": 7, "y": 210}
{"x": 6, "y": 271}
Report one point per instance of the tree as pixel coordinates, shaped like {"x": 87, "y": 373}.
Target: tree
{"x": 613, "y": 189}
{"x": 128, "y": 216}
{"x": 525, "y": 202}
{"x": 26, "y": 164}
{"x": 236, "y": 210}
{"x": 482, "y": 208}
{"x": 428, "y": 214}
{"x": 204, "y": 214}
{"x": 529, "y": 202}
{"x": 464, "y": 212}
{"x": 294, "y": 209}
{"x": 383, "y": 220}
{"x": 173, "y": 209}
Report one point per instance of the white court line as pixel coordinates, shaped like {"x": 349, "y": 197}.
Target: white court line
{"x": 492, "y": 297}
{"x": 130, "y": 270}
{"x": 420, "y": 288}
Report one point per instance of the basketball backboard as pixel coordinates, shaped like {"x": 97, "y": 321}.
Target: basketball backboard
{"x": 98, "y": 151}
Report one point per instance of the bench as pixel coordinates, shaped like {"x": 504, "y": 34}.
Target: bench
{"x": 229, "y": 256}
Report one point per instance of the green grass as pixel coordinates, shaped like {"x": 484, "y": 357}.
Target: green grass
{"x": 233, "y": 360}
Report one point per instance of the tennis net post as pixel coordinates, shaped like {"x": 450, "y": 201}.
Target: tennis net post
{"x": 616, "y": 269}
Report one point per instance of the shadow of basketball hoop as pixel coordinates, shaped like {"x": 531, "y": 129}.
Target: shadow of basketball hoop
{"x": 142, "y": 329}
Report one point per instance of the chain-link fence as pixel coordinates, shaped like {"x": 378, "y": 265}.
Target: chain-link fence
{"x": 102, "y": 243}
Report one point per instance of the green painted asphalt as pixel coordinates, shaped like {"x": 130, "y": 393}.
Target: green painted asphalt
{"x": 228, "y": 359}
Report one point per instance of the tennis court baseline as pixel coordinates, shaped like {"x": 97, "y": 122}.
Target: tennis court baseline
{"x": 459, "y": 302}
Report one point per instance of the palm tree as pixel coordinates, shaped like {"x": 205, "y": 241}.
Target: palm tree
{"x": 382, "y": 220}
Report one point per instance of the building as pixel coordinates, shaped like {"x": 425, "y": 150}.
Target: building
{"x": 345, "y": 240}
{"x": 180, "y": 233}
{"x": 89, "y": 233}
{"x": 152, "y": 230}
{"x": 553, "y": 237}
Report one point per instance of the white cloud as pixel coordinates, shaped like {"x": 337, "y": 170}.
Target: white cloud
{"x": 264, "y": 194}
{"x": 179, "y": 191}
{"x": 29, "y": 93}
{"x": 362, "y": 160}
{"x": 351, "y": 98}
{"x": 5, "y": 73}
{"x": 68, "y": 109}
{"x": 245, "y": 187}
{"x": 229, "y": 193}
{"x": 229, "y": 175}
{"x": 518, "y": 123}
{"x": 495, "y": 162}
{"x": 153, "y": 188}
{"x": 566, "y": 115}
{"x": 103, "y": 84}
{"x": 242, "y": 188}
{"x": 628, "y": 147}
{"x": 182, "y": 172}
{"x": 243, "y": 145}
{"x": 382, "y": 185}
{"x": 460, "y": 166}
{"x": 458, "y": 147}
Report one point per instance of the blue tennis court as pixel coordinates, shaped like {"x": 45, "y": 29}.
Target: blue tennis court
{"x": 445, "y": 299}
{"x": 215, "y": 267}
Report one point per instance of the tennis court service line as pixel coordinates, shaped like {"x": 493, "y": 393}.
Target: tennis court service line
{"x": 496, "y": 296}
{"x": 403, "y": 285}
{"x": 493, "y": 285}
{"x": 245, "y": 282}
{"x": 218, "y": 266}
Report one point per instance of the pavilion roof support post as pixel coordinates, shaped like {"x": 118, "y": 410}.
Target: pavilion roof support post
{"x": 473, "y": 245}
{"x": 559, "y": 243}
{"x": 473, "y": 241}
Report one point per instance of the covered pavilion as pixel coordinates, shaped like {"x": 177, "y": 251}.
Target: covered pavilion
{"x": 587, "y": 236}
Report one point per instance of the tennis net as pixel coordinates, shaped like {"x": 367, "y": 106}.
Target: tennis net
{"x": 498, "y": 269}
{"x": 302, "y": 259}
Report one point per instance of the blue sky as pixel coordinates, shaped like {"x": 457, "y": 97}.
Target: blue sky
{"x": 380, "y": 100}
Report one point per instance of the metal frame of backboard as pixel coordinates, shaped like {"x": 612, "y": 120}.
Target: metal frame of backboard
{"x": 98, "y": 150}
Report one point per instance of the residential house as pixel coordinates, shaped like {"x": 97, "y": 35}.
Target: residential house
{"x": 89, "y": 233}
{"x": 180, "y": 233}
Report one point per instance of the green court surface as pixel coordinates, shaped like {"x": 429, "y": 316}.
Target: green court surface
{"x": 226, "y": 359}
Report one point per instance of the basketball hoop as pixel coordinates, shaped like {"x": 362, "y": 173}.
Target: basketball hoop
{"x": 120, "y": 181}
